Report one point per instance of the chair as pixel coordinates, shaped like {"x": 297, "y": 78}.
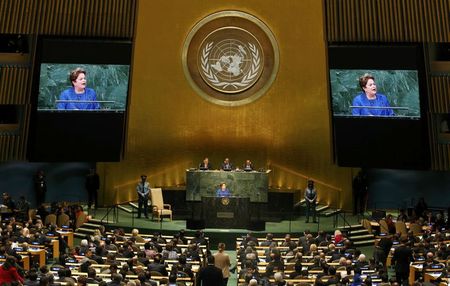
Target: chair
{"x": 367, "y": 225}
{"x": 416, "y": 229}
{"x": 63, "y": 219}
{"x": 400, "y": 227}
{"x": 383, "y": 226}
{"x": 159, "y": 208}
{"x": 32, "y": 214}
{"x": 50, "y": 219}
{"x": 81, "y": 219}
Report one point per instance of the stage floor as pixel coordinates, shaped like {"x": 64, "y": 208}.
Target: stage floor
{"x": 295, "y": 225}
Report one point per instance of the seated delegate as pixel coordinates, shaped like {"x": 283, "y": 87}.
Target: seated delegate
{"x": 248, "y": 166}
{"x": 226, "y": 165}
{"x": 205, "y": 165}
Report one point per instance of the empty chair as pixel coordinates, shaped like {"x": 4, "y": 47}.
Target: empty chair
{"x": 81, "y": 219}
{"x": 50, "y": 219}
{"x": 32, "y": 214}
{"x": 367, "y": 225}
{"x": 383, "y": 226}
{"x": 415, "y": 228}
{"x": 159, "y": 208}
{"x": 400, "y": 227}
{"x": 63, "y": 219}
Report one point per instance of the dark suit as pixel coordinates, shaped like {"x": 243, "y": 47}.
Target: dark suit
{"x": 158, "y": 267}
{"x": 311, "y": 200}
{"x": 210, "y": 276}
{"x": 247, "y": 167}
{"x": 202, "y": 166}
{"x": 227, "y": 167}
{"x": 402, "y": 257}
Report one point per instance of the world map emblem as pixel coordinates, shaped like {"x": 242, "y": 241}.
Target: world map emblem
{"x": 225, "y": 201}
{"x": 231, "y": 65}
{"x": 230, "y": 58}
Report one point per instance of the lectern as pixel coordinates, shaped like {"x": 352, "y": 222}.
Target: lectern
{"x": 228, "y": 212}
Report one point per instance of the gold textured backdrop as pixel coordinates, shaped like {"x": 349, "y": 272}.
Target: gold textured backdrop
{"x": 171, "y": 128}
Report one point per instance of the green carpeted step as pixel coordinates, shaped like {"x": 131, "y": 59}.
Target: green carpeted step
{"x": 85, "y": 230}
{"x": 127, "y": 208}
{"x": 91, "y": 225}
{"x": 353, "y": 226}
{"x": 321, "y": 208}
{"x": 361, "y": 237}
{"x": 331, "y": 212}
{"x": 368, "y": 242}
{"x": 358, "y": 232}
{"x": 100, "y": 222}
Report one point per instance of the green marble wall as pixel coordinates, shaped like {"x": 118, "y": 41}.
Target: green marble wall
{"x": 253, "y": 185}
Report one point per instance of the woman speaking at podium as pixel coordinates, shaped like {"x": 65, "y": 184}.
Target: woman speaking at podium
{"x": 369, "y": 102}
{"x": 223, "y": 191}
{"x": 78, "y": 97}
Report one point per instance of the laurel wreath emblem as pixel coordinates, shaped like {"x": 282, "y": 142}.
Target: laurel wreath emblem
{"x": 245, "y": 81}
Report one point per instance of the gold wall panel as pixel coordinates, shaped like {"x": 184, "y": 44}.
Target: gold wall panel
{"x": 14, "y": 89}
{"x": 14, "y": 83}
{"x": 439, "y": 103}
{"x": 388, "y": 20}
{"x": 171, "y": 128}
{"x": 18, "y": 16}
{"x": 439, "y": 99}
{"x": 103, "y": 18}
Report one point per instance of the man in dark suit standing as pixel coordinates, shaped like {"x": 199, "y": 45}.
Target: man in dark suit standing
{"x": 311, "y": 201}
{"x": 403, "y": 256}
{"x": 40, "y": 187}
{"x": 210, "y": 275}
{"x": 92, "y": 185}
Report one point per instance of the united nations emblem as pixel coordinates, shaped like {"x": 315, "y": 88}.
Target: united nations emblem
{"x": 225, "y": 201}
{"x": 230, "y": 64}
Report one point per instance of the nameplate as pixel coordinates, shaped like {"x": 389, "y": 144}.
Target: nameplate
{"x": 225, "y": 215}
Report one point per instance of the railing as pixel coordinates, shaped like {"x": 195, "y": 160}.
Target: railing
{"x": 115, "y": 215}
{"x": 327, "y": 194}
{"x": 341, "y": 215}
{"x": 114, "y": 212}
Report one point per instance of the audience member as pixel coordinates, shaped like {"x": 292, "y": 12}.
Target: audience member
{"x": 222, "y": 261}
{"x": 210, "y": 275}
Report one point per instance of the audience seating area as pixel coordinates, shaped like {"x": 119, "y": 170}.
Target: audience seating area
{"x": 47, "y": 251}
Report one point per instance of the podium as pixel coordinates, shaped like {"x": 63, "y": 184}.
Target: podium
{"x": 228, "y": 212}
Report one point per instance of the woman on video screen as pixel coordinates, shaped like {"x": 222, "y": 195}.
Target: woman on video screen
{"x": 78, "y": 97}
{"x": 369, "y": 102}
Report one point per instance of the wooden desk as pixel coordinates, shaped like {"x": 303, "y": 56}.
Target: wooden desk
{"x": 431, "y": 276}
{"x": 26, "y": 262}
{"x": 413, "y": 268}
{"x": 55, "y": 244}
{"x": 68, "y": 235}
{"x": 35, "y": 252}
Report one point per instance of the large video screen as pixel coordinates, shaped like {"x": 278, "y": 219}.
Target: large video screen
{"x": 80, "y": 97}
{"x": 85, "y": 87}
{"x": 356, "y": 92}
{"x": 378, "y": 105}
